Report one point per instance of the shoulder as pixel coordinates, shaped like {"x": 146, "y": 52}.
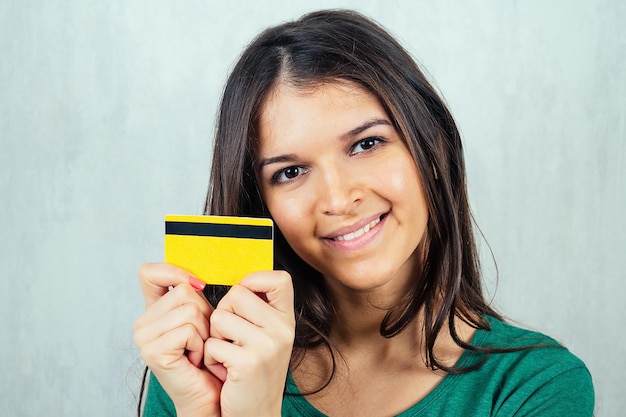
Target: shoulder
{"x": 505, "y": 334}
{"x": 538, "y": 377}
{"x": 525, "y": 351}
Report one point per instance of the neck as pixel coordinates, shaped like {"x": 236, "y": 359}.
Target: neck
{"x": 356, "y": 328}
{"x": 358, "y": 320}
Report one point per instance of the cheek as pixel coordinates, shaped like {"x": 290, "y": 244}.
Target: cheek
{"x": 290, "y": 216}
{"x": 296, "y": 228}
{"x": 401, "y": 178}
{"x": 403, "y": 187}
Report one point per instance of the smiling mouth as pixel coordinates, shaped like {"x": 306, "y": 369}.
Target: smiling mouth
{"x": 358, "y": 233}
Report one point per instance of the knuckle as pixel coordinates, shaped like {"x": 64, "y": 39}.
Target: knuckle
{"x": 270, "y": 346}
{"x": 273, "y": 345}
{"x": 288, "y": 335}
{"x": 216, "y": 317}
{"x": 138, "y": 340}
{"x": 193, "y": 312}
{"x": 208, "y": 348}
{"x": 236, "y": 291}
{"x": 185, "y": 294}
{"x": 282, "y": 340}
{"x": 188, "y": 331}
{"x": 157, "y": 360}
{"x": 145, "y": 270}
{"x": 284, "y": 278}
{"x": 139, "y": 324}
{"x": 149, "y": 355}
{"x": 233, "y": 294}
{"x": 185, "y": 290}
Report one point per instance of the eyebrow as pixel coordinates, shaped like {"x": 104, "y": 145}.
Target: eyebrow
{"x": 362, "y": 128}
{"x": 276, "y": 159}
{"x": 351, "y": 134}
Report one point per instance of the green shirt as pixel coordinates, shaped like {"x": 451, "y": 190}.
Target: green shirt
{"x": 541, "y": 381}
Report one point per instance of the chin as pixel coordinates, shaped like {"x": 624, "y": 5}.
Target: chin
{"x": 364, "y": 281}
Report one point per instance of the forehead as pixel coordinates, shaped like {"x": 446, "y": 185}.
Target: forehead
{"x": 339, "y": 93}
{"x": 291, "y": 114}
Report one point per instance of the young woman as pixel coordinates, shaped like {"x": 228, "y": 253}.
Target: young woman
{"x": 375, "y": 307}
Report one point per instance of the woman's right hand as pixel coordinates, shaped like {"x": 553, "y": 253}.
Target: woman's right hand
{"x": 171, "y": 335}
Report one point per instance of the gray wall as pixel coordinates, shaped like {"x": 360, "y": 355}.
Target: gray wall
{"x": 106, "y": 114}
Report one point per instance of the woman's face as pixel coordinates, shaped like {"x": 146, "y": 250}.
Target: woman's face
{"x": 341, "y": 185}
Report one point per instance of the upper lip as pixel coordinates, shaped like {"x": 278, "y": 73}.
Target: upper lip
{"x": 353, "y": 227}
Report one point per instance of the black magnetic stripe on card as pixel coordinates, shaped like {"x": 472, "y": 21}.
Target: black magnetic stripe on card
{"x": 245, "y": 231}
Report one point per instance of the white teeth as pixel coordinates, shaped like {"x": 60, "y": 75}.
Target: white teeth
{"x": 360, "y": 232}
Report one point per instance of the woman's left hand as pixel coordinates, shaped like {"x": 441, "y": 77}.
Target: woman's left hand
{"x": 249, "y": 348}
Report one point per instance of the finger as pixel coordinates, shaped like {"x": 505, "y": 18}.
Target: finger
{"x": 188, "y": 313}
{"x": 276, "y": 285}
{"x": 220, "y": 352}
{"x": 179, "y": 296}
{"x": 247, "y": 304}
{"x": 219, "y": 371}
{"x": 156, "y": 278}
{"x": 228, "y": 326}
{"x": 235, "y": 330}
{"x": 168, "y": 351}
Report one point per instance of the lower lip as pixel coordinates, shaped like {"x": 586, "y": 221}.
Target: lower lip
{"x": 360, "y": 242}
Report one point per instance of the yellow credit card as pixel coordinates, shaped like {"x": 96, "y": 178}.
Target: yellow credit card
{"x": 219, "y": 250}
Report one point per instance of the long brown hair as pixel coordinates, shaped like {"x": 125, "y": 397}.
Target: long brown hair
{"x": 338, "y": 45}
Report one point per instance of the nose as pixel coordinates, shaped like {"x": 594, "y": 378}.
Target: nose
{"x": 339, "y": 191}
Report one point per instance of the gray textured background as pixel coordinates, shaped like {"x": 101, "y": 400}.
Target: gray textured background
{"x": 106, "y": 114}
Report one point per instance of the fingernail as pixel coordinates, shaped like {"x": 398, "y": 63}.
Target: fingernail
{"x": 196, "y": 283}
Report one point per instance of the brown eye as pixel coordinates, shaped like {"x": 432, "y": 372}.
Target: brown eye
{"x": 287, "y": 174}
{"x": 368, "y": 144}
{"x": 365, "y": 145}
{"x": 291, "y": 172}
